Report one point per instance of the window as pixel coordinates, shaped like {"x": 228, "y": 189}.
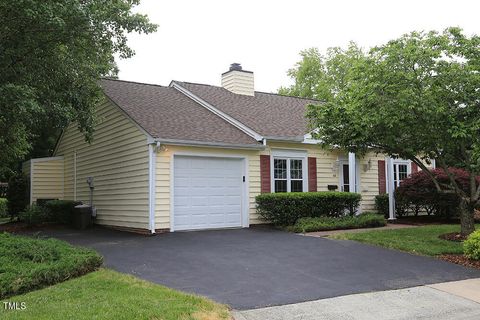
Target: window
{"x": 288, "y": 175}
{"x": 400, "y": 172}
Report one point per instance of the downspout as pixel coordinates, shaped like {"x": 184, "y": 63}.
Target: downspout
{"x": 152, "y": 157}
{"x": 31, "y": 181}
{"x": 75, "y": 175}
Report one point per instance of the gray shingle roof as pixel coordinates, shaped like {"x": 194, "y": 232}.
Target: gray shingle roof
{"x": 165, "y": 113}
{"x": 268, "y": 114}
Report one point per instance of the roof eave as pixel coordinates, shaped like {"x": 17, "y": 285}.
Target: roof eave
{"x": 215, "y": 144}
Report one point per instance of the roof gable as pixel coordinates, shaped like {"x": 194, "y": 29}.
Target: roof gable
{"x": 167, "y": 114}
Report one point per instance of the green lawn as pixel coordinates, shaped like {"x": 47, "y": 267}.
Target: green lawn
{"x": 106, "y": 294}
{"x": 420, "y": 240}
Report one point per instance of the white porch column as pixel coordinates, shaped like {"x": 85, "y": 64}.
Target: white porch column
{"x": 390, "y": 190}
{"x": 352, "y": 176}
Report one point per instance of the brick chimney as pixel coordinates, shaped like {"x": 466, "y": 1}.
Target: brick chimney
{"x": 238, "y": 81}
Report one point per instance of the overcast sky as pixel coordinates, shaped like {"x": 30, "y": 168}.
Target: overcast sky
{"x": 197, "y": 40}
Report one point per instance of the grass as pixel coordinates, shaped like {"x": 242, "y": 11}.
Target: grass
{"x": 27, "y": 263}
{"x": 365, "y": 220}
{"x": 106, "y": 294}
{"x": 419, "y": 240}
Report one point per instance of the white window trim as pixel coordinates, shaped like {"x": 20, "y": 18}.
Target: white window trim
{"x": 289, "y": 154}
{"x": 396, "y": 162}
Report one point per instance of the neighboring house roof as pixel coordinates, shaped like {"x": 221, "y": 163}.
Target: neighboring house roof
{"x": 271, "y": 115}
{"x": 167, "y": 114}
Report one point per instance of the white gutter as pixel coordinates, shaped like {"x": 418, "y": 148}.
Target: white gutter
{"x": 152, "y": 156}
{"x": 219, "y": 113}
{"x": 212, "y": 144}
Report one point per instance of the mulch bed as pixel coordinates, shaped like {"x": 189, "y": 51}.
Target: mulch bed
{"x": 16, "y": 226}
{"x": 453, "y": 236}
{"x": 461, "y": 260}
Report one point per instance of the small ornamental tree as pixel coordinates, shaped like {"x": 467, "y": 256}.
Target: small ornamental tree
{"x": 419, "y": 191}
{"x": 416, "y": 97}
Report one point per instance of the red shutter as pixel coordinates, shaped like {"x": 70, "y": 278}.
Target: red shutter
{"x": 312, "y": 174}
{"x": 265, "y": 174}
{"x": 414, "y": 167}
{"x": 382, "y": 182}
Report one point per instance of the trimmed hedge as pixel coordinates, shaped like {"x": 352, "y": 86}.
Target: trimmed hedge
{"x": 471, "y": 246}
{"x": 27, "y": 264}
{"x": 3, "y": 208}
{"x": 286, "y": 208}
{"x": 34, "y": 214}
{"x": 364, "y": 220}
{"x": 56, "y": 211}
{"x": 381, "y": 204}
{"x": 61, "y": 211}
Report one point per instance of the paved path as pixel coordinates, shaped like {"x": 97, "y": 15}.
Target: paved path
{"x": 446, "y": 301}
{"x": 254, "y": 268}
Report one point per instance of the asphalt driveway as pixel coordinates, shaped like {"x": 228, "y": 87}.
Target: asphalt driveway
{"x": 252, "y": 268}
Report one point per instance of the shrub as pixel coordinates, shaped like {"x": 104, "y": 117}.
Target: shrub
{"x": 418, "y": 192}
{"x": 18, "y": 194}
{"x": 27, "y": 263}
{"x": 381, "y": 204}
{"x": 287, "y": 208}
{"x": 364, "y": 220}
{"x": 3, "y": 189}
{"x": 61, "y": 211}
{"x": 3, "y": 208}
{"x": 35, "y": 214}
{"x": 471, "y": 246}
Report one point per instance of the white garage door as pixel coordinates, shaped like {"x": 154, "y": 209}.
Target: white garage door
{"x": 207, "y": 193}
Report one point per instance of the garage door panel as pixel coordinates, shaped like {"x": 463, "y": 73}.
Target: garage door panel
{"x": 207, "y": 192}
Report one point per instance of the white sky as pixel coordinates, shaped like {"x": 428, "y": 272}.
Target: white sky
{"x": 197, "y": 40}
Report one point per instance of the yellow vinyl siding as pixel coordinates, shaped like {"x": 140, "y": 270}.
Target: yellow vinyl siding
{"x": 327, "y": 173}
{"x": 118, "y": 160}
{"x": 369, "y": 179}
{"x": 46, "y": 179}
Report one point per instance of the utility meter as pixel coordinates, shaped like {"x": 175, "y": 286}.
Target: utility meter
{"x": 90, "y": 182}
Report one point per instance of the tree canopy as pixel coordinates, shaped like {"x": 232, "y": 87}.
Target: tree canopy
{"x": 416, "y": 97}
{"x": 52, "y": 54}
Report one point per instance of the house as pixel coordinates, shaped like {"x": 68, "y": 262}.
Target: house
{"x": 193, "y": 156}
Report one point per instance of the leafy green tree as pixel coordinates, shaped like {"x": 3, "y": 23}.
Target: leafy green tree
{"x": 52, "y": 54}
{"x": 320, "y": 76}
{"x": 416, "y": 97}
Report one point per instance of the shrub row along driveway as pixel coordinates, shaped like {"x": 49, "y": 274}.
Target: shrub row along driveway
{"x": 253, "y": 268}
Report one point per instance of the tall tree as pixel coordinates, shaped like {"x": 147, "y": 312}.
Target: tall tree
{"x": 52, "y": 54}
{"x": 418, "y": 98}
{"x": 320, "y": 76}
